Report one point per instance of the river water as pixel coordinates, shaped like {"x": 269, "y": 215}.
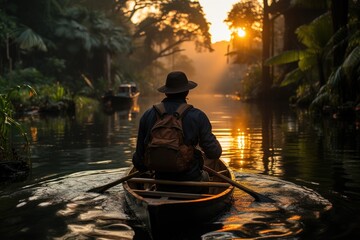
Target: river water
{"x": 309, "y": 166}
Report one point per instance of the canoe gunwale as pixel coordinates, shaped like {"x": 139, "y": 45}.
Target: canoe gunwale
{"x": 158, "y": 212}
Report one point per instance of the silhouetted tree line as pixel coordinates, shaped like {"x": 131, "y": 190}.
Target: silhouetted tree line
{"x": 88, "y": 45}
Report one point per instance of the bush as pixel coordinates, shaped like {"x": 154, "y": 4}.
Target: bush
{"x": 8, "y": 152}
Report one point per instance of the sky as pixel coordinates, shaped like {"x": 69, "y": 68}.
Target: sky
{"x": 215, "y": 13}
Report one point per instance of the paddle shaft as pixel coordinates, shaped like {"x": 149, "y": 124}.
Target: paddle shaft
{"x": 103, "y": 188}
{"x": 258, "y": 197}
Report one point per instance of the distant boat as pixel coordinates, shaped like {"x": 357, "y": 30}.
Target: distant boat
{"x": 126, "y": 96}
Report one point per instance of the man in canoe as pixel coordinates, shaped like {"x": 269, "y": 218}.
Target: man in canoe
{"x": 170, "y": 134}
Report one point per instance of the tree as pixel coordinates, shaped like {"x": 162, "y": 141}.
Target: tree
{"x": 86, "y": 38}
{"x": 343, "y": 85}
{"x": 255, "y": 20}
{"x": 165, "y": 26}
{"x": 312, "y": 61}
{"x": 18, "y": 37}
{"x": 339, "y": 15}
{"x": 332, "y": 86}
{"x": 246, "y": 16}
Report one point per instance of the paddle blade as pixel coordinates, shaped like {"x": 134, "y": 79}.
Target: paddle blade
{"x": 257, "y": 196}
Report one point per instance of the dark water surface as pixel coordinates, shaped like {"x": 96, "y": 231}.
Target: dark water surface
{"x": 310, "y": 166}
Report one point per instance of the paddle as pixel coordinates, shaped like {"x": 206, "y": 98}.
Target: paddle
{"x": 258, "y": 197}
{"x": 102, "y": 189}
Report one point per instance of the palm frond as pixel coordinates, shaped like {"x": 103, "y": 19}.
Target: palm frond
{"x": 336, "y": 78}
{"x": 293, "y": 77}
{"x": 308, "y": 60}
{"x": 320, "y": 100}
{"x": 317, "y": 34}
{"x": 352, "y": 62}
{"x": 28, "y": 39}
{"x": 285, "y": 57}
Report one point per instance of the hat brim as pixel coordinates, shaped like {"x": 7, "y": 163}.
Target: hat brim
{"x": 190, "y": 85}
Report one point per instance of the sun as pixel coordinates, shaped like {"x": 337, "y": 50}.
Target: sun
{"x": 241, "y": 32}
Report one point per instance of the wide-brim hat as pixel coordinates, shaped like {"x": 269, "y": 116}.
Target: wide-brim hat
{"x": 177, "y": 82}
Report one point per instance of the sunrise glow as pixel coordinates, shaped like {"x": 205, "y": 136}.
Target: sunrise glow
{"x": 241, "y": 32}
{"x": 216, "y": 12}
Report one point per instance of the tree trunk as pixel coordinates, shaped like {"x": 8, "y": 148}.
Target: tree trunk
{"x": 339, "y": 14}
{"x": 266, "y": 80}
{"x": 108, "y": 71}
{"x": 8, "y": 53}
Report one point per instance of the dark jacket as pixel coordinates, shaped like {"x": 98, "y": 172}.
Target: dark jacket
{"x": 197, "y": 132}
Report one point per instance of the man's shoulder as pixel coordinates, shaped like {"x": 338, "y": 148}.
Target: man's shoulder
{"x": 196, "y": 112}
{"x": 148, "y": 112}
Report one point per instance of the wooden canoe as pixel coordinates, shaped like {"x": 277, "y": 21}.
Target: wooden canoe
{"x": 160, "y": 210}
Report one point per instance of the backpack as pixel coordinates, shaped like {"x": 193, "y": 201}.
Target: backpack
{"x": 166, "y": 151}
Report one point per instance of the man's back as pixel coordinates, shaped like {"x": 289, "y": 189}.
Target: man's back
{"x": 196, "y": 127}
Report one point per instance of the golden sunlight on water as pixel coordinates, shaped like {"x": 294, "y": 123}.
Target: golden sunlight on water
{"x": 239, "y": 134}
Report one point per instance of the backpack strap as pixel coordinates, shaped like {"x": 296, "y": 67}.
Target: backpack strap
{"x": 182, "y": 109}
{"x": 160, "y": 109}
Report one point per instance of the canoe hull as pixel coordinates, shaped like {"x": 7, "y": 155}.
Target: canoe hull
{"x": 160, "y": 215}
{"x": 120, "y": 101}
{"x": 126, "y": 96}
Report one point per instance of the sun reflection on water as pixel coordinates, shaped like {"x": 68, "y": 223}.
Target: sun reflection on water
{"x": 246, "y": 146}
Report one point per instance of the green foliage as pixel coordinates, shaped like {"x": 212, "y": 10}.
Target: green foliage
{"x": 65, "y": 39}
{"x": 334, "y": 92}
{"x": 286, "y": 57}
{"x": 46, "y": 87}
{"x": 8, "y": 123}
{"x": 293, "y": 77}
{"x": 27, "y": 39}
{"x": 53, "y": 67}
{"x": 251, "y": 81}
{"x": 29, "y": 76}
{"x": 316, "y": 37}
{"x": 351, "y": 64}
{"x": 88, "y": 30}
{"x": 7, "y": 26}
{"x": 53, "y": 92}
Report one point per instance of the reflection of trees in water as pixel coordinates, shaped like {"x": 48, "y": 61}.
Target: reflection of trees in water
{"x": 267, "y": 135}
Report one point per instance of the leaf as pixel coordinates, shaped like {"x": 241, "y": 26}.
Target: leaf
{"x": 352, "y": 62}
{"x": 293, "y": 77}
{"x": 308, "y": 61}
{"x": 336, "y": 78}
{"x": 316, "y": 34}
{"x": 28, "y": 39}
{"x": 285, "y": 57}
{"x": 320, "y": 100}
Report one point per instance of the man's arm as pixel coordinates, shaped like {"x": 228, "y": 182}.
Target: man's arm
{"x": 208, "y": 142}
{"x": 138, "y": 157}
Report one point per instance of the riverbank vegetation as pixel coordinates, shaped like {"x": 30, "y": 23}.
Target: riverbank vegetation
{"x": 310, "y": 53}
{"x": 14, "y": 156}
{"x": 68, "y": 50}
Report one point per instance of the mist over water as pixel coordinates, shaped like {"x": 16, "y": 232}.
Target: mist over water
{"x": 211, "y": 70}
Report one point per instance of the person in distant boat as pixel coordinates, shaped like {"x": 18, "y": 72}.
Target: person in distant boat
{"x": 155, "y": 149}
